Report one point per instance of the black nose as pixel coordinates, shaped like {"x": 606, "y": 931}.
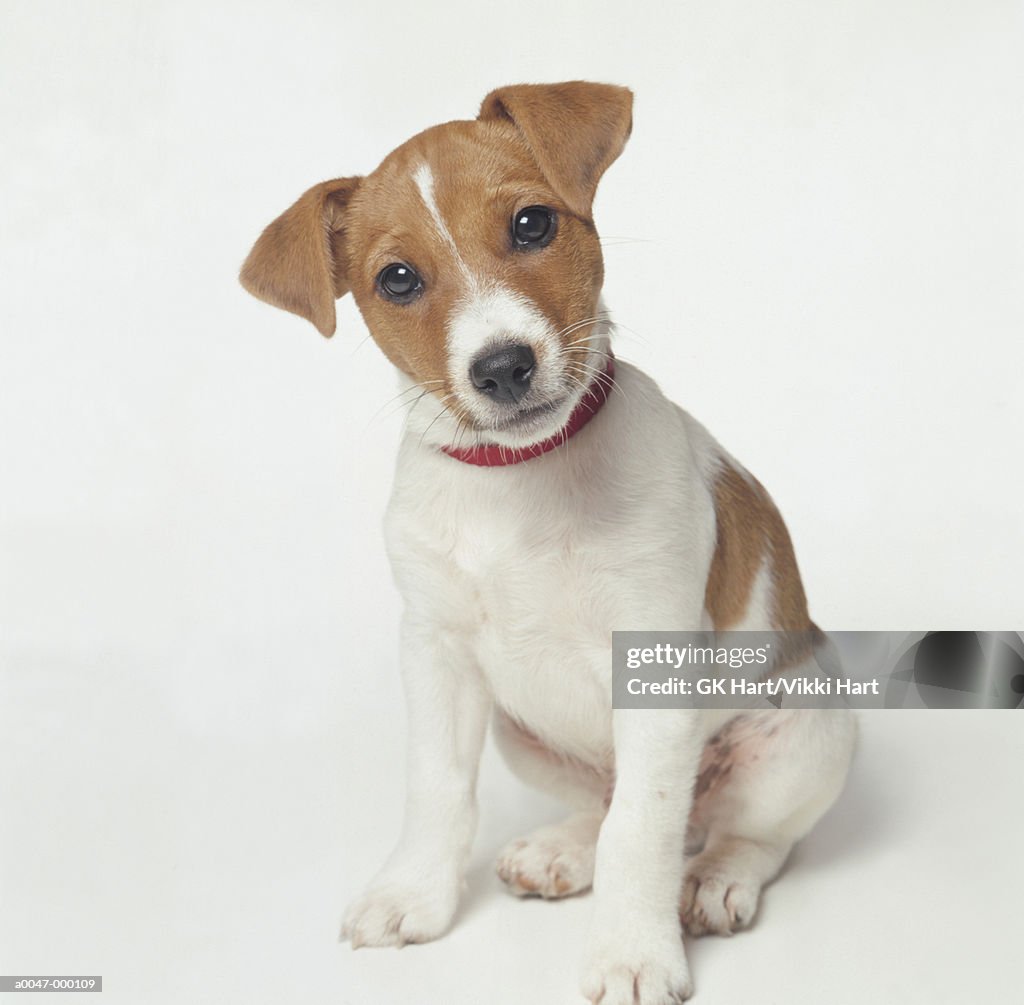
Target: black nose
{"x": 504, "y": 375}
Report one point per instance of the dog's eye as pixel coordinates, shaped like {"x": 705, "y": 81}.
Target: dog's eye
{"x": 533, "y": 227}
{"x": 399, "y": 283}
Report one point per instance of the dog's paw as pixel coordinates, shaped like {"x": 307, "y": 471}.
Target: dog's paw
{"x": 393, "y": 912}
{"x": 717, "y": 899}
{"x": 632, "y": 970}
{"x": 552, "y": 862}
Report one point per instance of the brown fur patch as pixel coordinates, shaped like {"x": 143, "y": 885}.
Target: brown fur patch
{"x": 298, "y": 263}
{"x": 750, "y": 531}
{"x": 573, "y": 159}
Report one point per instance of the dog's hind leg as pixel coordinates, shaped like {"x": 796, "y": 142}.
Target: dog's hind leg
{"x": 557, "y": 860}
{"x": 765, "y": 780}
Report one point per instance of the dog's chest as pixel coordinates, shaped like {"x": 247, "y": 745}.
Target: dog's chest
{"x": 530, "y": 588}
{"x": 541, "y": 630}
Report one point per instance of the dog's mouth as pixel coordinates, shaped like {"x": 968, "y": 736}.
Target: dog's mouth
{"x": 526, "y": 419}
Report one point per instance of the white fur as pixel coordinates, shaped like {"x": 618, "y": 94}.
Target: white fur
{"x": 511, "y": 593}
{"x": 510, "y": 598}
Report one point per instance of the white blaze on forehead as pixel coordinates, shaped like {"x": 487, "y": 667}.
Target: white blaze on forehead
{"x": 424, "y": 179}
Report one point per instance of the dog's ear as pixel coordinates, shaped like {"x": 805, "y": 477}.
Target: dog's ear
{"x": 575, "y": 131}
{"x": 299, "y": 262}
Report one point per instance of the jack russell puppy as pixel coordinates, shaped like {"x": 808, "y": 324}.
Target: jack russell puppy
{"x": 545, "y": 495}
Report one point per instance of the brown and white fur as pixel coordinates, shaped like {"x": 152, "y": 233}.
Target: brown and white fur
{"x": 514, "y": 577}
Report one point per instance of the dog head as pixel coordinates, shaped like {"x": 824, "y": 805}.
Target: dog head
{"x": 471, "y": 254}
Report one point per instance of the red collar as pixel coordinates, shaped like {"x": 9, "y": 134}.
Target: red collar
{"x": 493, "y": 455}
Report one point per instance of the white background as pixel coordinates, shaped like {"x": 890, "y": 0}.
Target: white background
{"x": 200, "y": 724}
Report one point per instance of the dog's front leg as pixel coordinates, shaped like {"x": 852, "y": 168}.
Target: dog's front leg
{"x": 635, "y": 951}
{"x": 414, "y": 896}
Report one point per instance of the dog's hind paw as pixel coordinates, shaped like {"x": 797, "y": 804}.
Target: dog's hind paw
{"x": 717, "y": 899}
{"x": 555, "y": 861}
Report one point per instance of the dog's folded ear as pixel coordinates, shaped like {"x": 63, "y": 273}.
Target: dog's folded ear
{"x": 575, "y": 131}
{"x": 299, "y": 262}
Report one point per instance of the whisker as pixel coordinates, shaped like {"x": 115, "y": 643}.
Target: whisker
{"x": 410, "y": 403}
{"x": 597, "y": 318}
{"x": 444, "y": 408}
{"x": 423, "y": 388}
{"x": 359, "y": 345}
{"x": 606, "y": 318}
{"x": 460, "y": 431}
{"x": 601, "y": 318}
{"x": 567, "y": 349}
{"x": 632, "y": 331}
{"x": 577, "y": 367}
{"x": 582, "y": 367}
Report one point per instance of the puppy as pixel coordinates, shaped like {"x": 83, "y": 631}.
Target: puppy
{"x": 544, "y": 496}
